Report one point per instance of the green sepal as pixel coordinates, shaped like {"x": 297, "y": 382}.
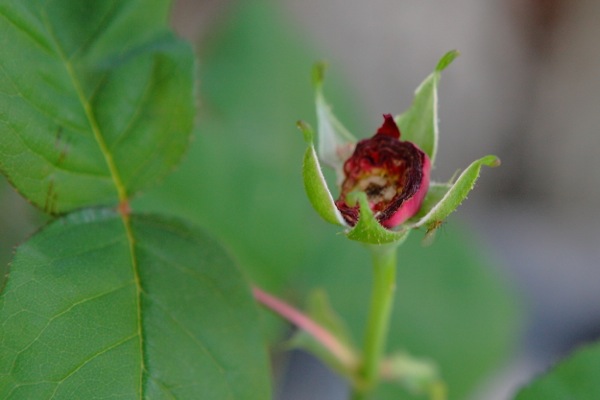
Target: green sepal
{"x": 321, "y": 311}
{"x": 435, "y": 194}
{"x": 369, "y": 230}
{"x": 433, "y": 212}
{"x": 419, "y": 124}
{"x": 314, "y": 182}
{"x": 336, "y": 143}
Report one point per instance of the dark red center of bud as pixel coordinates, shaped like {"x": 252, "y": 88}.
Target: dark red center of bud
{"x": 391, "y": 172}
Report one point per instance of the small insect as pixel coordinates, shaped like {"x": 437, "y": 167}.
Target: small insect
{"x": 430, "y": 234}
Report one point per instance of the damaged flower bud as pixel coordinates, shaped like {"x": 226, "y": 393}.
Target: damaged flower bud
{"x": 384, "y": 181}
{"x": 394, "y": 175}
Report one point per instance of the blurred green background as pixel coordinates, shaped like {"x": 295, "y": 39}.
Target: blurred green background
{"x": 241, "y": 179}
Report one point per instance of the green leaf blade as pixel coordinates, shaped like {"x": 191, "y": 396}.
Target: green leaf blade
{"x": 219, "y": 345}
{"x": 89, "y": 102}
{"x": 175, "y": 321}
{"x": 48, "y": 297}
{"x": 574, "y": 378}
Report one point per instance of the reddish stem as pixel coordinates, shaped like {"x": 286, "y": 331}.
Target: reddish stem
{"x": 344, "y": 355}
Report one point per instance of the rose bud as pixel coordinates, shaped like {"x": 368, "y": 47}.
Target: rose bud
{"x": 394, "y": 175}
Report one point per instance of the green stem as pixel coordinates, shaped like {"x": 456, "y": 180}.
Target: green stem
{"x": 384, "y": 285}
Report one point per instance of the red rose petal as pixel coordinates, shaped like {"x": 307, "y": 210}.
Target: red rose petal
{"x": 389, "y": 127}
{"x": 394, "y": 175}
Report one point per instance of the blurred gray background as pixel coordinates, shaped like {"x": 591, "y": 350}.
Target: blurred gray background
{"x": 526, "y": 88}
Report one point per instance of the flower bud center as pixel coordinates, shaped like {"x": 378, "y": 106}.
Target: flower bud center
{"x": 388, "y": 171}
{"x": 379, "y": 186}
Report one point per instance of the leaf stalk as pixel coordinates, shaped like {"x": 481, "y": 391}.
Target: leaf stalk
{"x": 345, "y": 356}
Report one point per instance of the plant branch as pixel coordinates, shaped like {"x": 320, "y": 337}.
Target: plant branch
{"x": 344, "y": 355}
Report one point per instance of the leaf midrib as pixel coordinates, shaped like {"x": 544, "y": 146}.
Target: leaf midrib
{"x": 118, "y": 182}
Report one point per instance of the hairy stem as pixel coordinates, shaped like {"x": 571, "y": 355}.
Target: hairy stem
{"x": 344, "y": 355}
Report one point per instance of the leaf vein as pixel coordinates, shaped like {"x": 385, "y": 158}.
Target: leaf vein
{"x": 90, "y": 359}
{"x": 61, "y": 313}
{"x": 134, "y": 116}
{"x": 203, "y": 348}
